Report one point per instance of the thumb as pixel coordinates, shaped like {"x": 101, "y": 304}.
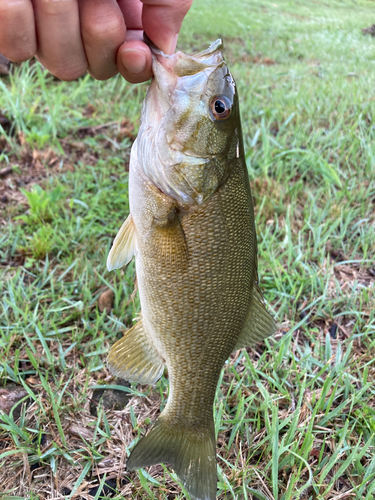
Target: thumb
{"x": 162, "y": 20}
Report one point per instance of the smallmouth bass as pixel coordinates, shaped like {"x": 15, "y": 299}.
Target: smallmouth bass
{"x": 191, "y": 229}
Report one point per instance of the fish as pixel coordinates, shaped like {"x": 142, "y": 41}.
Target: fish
{"x": 191, "y": 229}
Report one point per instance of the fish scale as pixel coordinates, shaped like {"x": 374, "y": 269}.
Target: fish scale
{"x": 191, "y": 228}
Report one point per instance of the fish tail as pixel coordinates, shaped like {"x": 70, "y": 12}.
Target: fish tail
{"x": 191, "y": 453}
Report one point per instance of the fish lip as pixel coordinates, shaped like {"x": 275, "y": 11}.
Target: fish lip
{"x": 211, "y": 57}
{"x": 214, "y": 47}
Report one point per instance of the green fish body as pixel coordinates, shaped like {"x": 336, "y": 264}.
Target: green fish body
{"x": 191, "y": 229}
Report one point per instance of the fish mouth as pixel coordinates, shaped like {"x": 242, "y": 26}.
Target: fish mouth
{"x": 180, "y": 64}
{"x": 184, "y": 72}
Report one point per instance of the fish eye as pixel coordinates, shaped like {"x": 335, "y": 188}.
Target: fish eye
{"x": 221, "y": 107}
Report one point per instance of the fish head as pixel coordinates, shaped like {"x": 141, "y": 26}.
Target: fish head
{"x": 190, "y": 126}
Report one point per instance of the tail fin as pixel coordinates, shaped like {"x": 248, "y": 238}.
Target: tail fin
{"x": 191, "y": 454}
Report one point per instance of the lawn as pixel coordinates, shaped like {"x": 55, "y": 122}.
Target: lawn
{"x": 295, "y": 415}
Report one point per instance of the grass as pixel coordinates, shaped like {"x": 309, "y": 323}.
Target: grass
{"x": 295, "y": 415}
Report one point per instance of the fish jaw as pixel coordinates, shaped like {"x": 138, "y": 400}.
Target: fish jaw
{"x": 177, "y": 138}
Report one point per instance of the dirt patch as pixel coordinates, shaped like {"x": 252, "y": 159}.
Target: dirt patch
{"x": 20, "y": 472}
{"x": 124, "y": 129}
{"x": 347, "y": 275}
{"x": 296, "y": 16}
{"x": 4, "y": 65}
{"x": 11, "y": 396}
{"x": 30, "y": 166}
{"x": 112, "y": 399}
{"x": 6, "y": 125}
{"x": 260, "y": 59}
{"x": 369, "y": 31}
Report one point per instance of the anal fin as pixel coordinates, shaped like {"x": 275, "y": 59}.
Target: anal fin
{"x": 123, "y": 247}
{"x": 259, "y": 323}
{"x": 134, "y": 358}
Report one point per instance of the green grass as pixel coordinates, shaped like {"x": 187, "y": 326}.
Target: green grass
{"x": 295, "y": 415}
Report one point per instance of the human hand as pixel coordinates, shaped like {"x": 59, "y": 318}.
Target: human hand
{"x": 103, "y": 37}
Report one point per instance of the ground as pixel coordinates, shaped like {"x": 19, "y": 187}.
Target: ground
{"x": 295, "y": 415}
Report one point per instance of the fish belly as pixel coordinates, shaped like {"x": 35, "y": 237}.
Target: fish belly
{"x": 194, "y": 302}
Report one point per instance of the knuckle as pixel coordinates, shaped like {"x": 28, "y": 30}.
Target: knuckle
{"x": 102, "y": 29}
{"x": 55, "y": 8}
{"x": 12, "y": 8}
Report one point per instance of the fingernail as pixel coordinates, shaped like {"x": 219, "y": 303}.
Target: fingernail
{"x": 134, "y": 60}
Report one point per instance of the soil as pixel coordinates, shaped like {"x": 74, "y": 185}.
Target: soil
{"x": 30, "y": 166}
{"x": 111, "y": 399}
{"x": 10, "y": 396}
{"x": 4, "y": 66}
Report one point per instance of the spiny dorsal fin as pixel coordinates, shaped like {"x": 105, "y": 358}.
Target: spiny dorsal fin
{"x": 134, "y": 358}
{"x": 123, "y": 247}
{"x": 259, "y": 323}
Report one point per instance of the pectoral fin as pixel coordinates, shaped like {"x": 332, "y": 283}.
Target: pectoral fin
{"x": 134, "y": 358}
{"x": 169, "y": 239}
{"x": 259, "y": 323}
{"x": 123, "y": 247}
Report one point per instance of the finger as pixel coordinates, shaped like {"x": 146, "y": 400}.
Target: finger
{"x": 134, "y": 58}
{"x": 60, "y": 47}
{"x": 132, "y": 12}
{"x": 103, "y": 31}
{"x": 17, "y": 30}
{"x": 162, "y": 20}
